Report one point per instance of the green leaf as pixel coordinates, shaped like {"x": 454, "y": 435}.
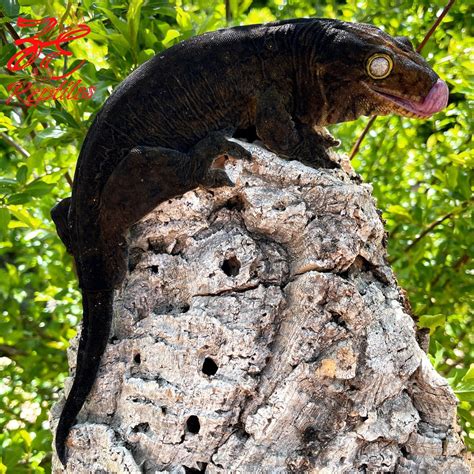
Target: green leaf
{"x": 432, "y": 321}
{"x": 469, "y": 374}
{"x": 398, "y": 210}
{"x": 243, "y": 6}
{"x": 438, "y": 355}
{"x": 171, "y": 34}
{"x": 465, "y": 391}
{"x": 26, "y": 438}
{"x": 91, "y": 51}
{"x": 24, "y": 216}
{"x": 145, "y": 55}
{"x": 10, "y": 8}
{"x": 39, "y": 188}
{"x": 6, "y": 52}
{"x": 118, "y": 24}
{"x": 22, "y": 174}
{"x": 7, "y": 181}
{"x": 51, "y": 133}
{"x": 19, "y": 198}
{"x": 183, "y": 19}
{"x": 4, "y": 219}
{"x": 62, "y": 116}
{"x": 133, "y": 21}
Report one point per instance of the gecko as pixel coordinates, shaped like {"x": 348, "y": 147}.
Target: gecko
{"x": 166, "y": 129}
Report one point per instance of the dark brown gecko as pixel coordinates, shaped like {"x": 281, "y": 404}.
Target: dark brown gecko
{"x": 161, "y": 131}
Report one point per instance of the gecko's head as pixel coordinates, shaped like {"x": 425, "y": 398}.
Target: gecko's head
{"x": 368, "y": 72}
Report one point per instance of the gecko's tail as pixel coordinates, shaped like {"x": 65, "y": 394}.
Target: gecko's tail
{"x": 93, "y": 341}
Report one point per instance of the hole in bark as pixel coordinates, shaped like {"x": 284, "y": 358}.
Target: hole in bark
{"x": 231, "y": 266}
{"x": 279, "y": 207}
{"x": 234, "y": 204}
{"x": 310, "y": 434}
{"x": 344, "y": 275}
{"x": 201, "y": 465}
{"x": 166, "y": 308}
{"x": 337, "y": 318}
{"x": 141, "y": 428}
{"x": 113, "y": 339}
{"x": 137, "y": 358}
{"x": 209, "y": 367}
{"x": 154, "y": 269}
{"x": 193, "y": 425}
{"x": 164, "y": 410}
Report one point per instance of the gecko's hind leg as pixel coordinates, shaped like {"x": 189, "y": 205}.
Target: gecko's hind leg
{"x": 148, "y": 176}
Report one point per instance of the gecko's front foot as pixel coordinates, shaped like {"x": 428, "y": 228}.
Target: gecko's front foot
{"x": 313, "y": 150}
{"x": 211, "y": 154}
{"x": 216, "y": 178}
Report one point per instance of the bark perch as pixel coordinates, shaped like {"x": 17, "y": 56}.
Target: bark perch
{"x": 261, "y": 330}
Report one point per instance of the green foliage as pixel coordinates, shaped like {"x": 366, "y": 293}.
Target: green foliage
{"x": 421, "y": 173}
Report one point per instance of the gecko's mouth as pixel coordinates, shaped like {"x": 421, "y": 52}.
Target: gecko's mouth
{"x": 436, "y": 100}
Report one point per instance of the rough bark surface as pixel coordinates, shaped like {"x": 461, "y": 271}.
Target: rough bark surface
{"x": 261, "y": 330}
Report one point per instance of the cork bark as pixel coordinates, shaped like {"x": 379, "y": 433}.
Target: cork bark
{"x": 260, "y": 329}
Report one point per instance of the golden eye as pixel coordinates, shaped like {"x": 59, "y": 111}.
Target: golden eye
{"x": 379, "y": 66}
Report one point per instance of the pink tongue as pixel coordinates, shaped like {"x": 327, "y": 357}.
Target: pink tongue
{"x": 436, "y": 100}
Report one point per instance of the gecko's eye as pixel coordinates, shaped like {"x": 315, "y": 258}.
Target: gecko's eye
{"x": 379, "y": 66}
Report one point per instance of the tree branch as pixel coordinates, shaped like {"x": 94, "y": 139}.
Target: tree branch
{"x": 68, "y": 178}
{"x": 228, "y": 12}
{"x": 459, "y": 263}
{"x": 436, "y": 24}
{"x": 10, "y": 351}
{"x": 430, "y": 228}
{"x": 15, "y": 145}
{"x": 15, "y": 36}
{"x": 356, "y": 147}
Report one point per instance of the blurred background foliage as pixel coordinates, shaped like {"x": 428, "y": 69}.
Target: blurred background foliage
{"x": 421, "y": 172}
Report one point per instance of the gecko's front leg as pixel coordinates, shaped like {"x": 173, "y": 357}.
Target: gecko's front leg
{"x": 283, "y": 135}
